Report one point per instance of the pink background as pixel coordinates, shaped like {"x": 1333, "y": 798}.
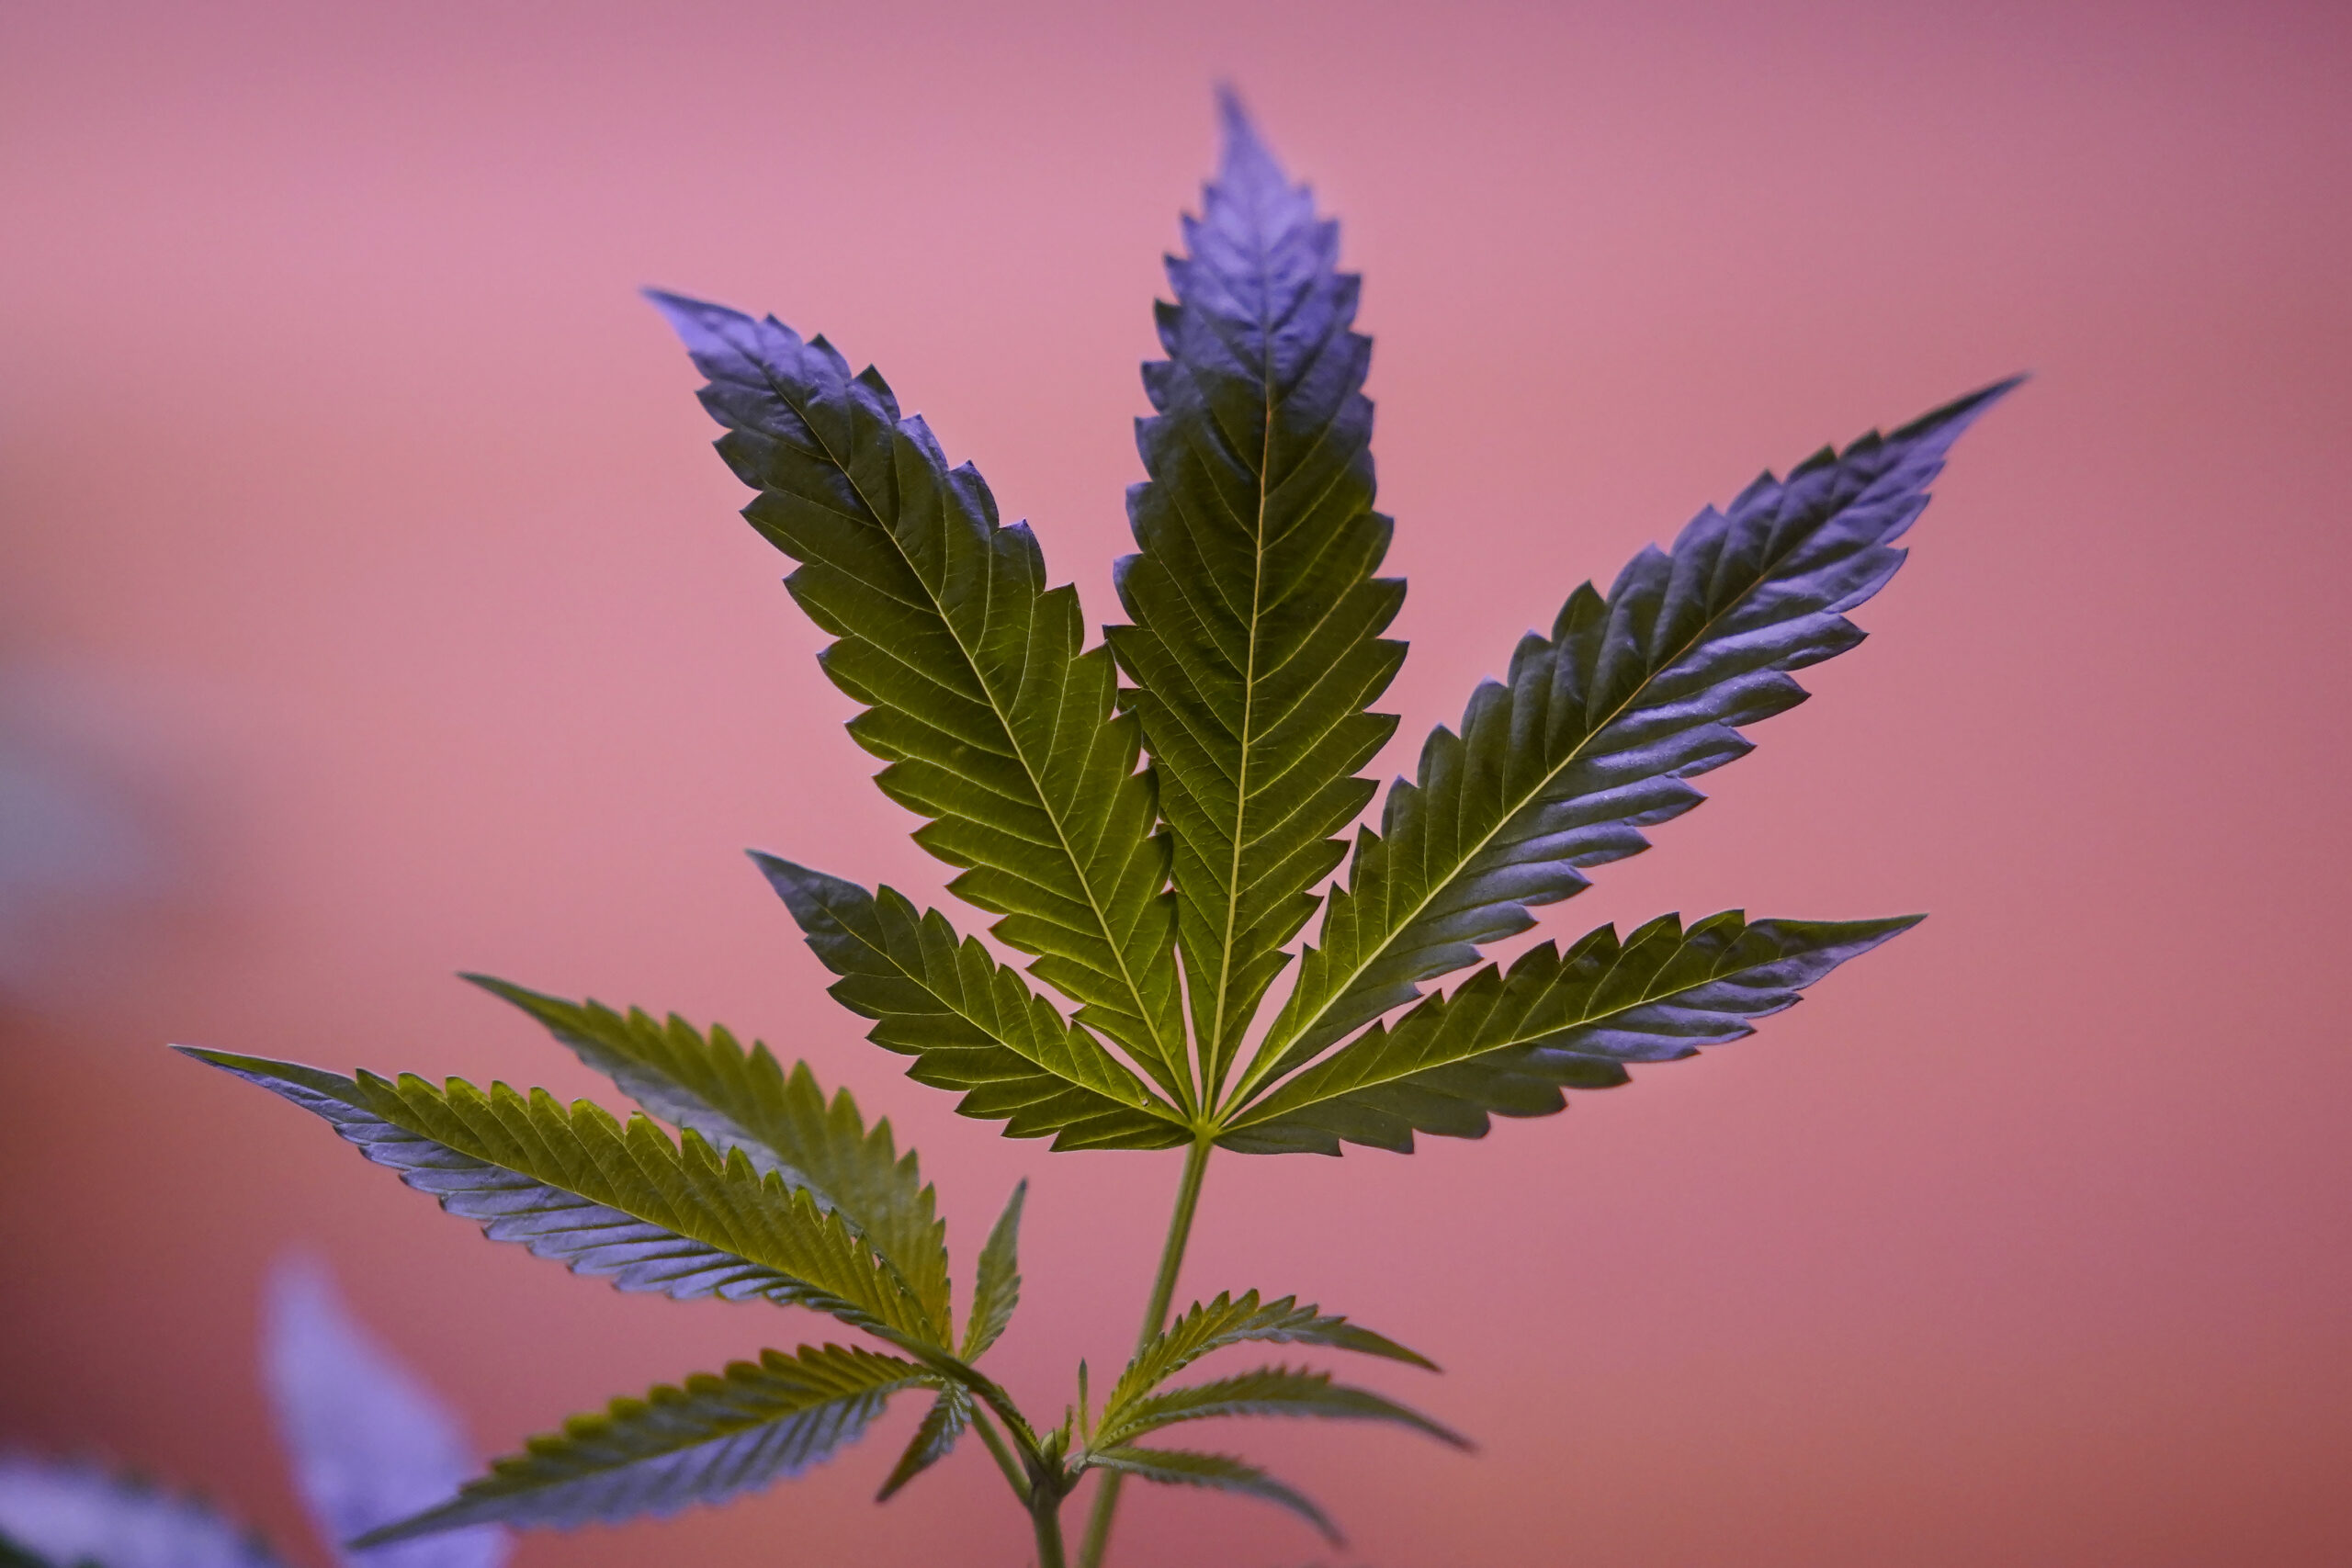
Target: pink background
{"x": 364, "y": 543}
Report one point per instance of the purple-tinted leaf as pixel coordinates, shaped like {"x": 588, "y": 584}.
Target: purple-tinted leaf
{"x": 1506, "y": 1043}
{"x": 997, "y": 725}
{"x": 74, "y": 1513}
{"x": 1598, "y": 727}
{"x": 712, "y": 1439}
{"x": 368, "y": 1441}
{"x": 1256, "y": 644}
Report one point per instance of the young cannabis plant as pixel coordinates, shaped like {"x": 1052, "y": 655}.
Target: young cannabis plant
{"x": 1150, "y": 819}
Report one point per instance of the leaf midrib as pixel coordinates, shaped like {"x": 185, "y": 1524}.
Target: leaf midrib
{"x": 1212, "y": 1062}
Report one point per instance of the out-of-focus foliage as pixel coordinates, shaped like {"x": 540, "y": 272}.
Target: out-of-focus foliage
{"x": 367, "y": 1440}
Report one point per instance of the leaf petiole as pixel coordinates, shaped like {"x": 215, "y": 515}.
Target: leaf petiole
{"x": 1155, "y": 1318}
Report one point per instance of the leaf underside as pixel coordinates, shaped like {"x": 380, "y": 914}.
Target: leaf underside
{"x": 1267, "y": 1390}
{"x": 996, "y": 1288}
{"x": 1593, "y": 735}
{"x": 934, "y": 1440}
{"x": 1255, "y": 646}
{"x": 782, "y": 1121}
{"x": 1221, "y": 1473}
{"x": 994, "y": 723}
{"x": 1505, "y": 1044}
{"x": 970, "y": 1022}
{"x": 1234, "y": 1320}
{"x": 575, "y": 1186}
{"x": 1253, "y": 650}
{"x": 713, "y": 1438}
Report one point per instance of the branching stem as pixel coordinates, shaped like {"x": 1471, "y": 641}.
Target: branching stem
{"x": 1155, "y": 1318}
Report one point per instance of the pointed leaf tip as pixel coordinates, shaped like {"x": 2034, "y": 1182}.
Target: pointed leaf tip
{"x": 696, "y": 321}
{"x": 1246, "y": 160}
{"x": 1957, "y": 415}
{"x": 803, "y": 890}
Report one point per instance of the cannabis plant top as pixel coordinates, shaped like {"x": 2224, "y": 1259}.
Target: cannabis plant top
{"x": 1153, "y": 822}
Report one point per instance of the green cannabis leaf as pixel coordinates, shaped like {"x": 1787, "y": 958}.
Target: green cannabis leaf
{"x": 1268, "y": 1390}
{"x": 970, "y": 1022}
{"x": 1229, "y": 1321}
{"x": 700, "y": 1443}
{"x": 1179, "y": 1467}
{"x": 1150, "y": 822}
{"x": 1507, "y": 1044}
{"x": 576, "y": 1186}
{"x": 781, "y": 1121}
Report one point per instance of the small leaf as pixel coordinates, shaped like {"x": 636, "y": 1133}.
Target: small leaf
{"x": 1231, "y": 1320}
{"x": 998, "y": 1290}
{"x": 1596, "y": 729}
{"x": 713, "y": 1438}
{"x": 1507, "y": 1044}
{"x": 934, "y": 1440}
{"x": 575, "y": 1186}
{"x": 72, "y": 1514}
{"x": 970, "y": 1022}
{"x": 1221, "y": 1473}
{"x": 368, "y": 1441}
{"x": 782, "y": 1122}
{"x": 1267, "y": 1390}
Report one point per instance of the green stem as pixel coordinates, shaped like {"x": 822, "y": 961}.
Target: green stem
{"x": 1155, "y": 1318}
{"x": 1004, "y": 1459}
{"x": 1047, "y": 1513}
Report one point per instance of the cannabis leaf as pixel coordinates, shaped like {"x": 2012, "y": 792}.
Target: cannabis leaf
{"x": 1181, "y": 1467}
{"x": 1256, "y": 642}
{"x": 368, "y": 1441}
{"x": 1152, "y": 850}
{"x": 738, "y": 1100}
{"x": 574, "y": 1185}
{"x": 1507, "y": 1044}
{"x": 934, "y": 1440}
{"x": 1268, "y": 1390}
{"x": 997, "y": 1291}
{"x": 996, "y": 726}
{"x": 72, "y": 1516}
{"x": 970, "y": 1022}
{"x": 1231, "y": 1320}
{"x": 1595, "y": 732}
{"x": 707, "y": 1441}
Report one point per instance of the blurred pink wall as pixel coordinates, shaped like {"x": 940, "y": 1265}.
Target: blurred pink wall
{"x": 356, "y": 505}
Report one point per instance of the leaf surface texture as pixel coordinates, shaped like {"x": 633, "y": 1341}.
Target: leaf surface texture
{"x": 782, "y": 1120}
{"x": 1597, "y": 728}
{"x": 971, "y": 1023}
{"x": 711, "y": 1439}
{"x": 1220, "y": 1472}
{"x": 1254, "y": 645}
{"x": 995, "y": 723}
{"x": 625, "y": 1203}
{"x": 1506, "y": 1043}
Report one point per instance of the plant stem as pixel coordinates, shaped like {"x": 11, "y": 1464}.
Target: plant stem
{"x": 1004, "y": 1459}
{"x": 1155, "y": 1318}
{"x": 1047, "y": 1513}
